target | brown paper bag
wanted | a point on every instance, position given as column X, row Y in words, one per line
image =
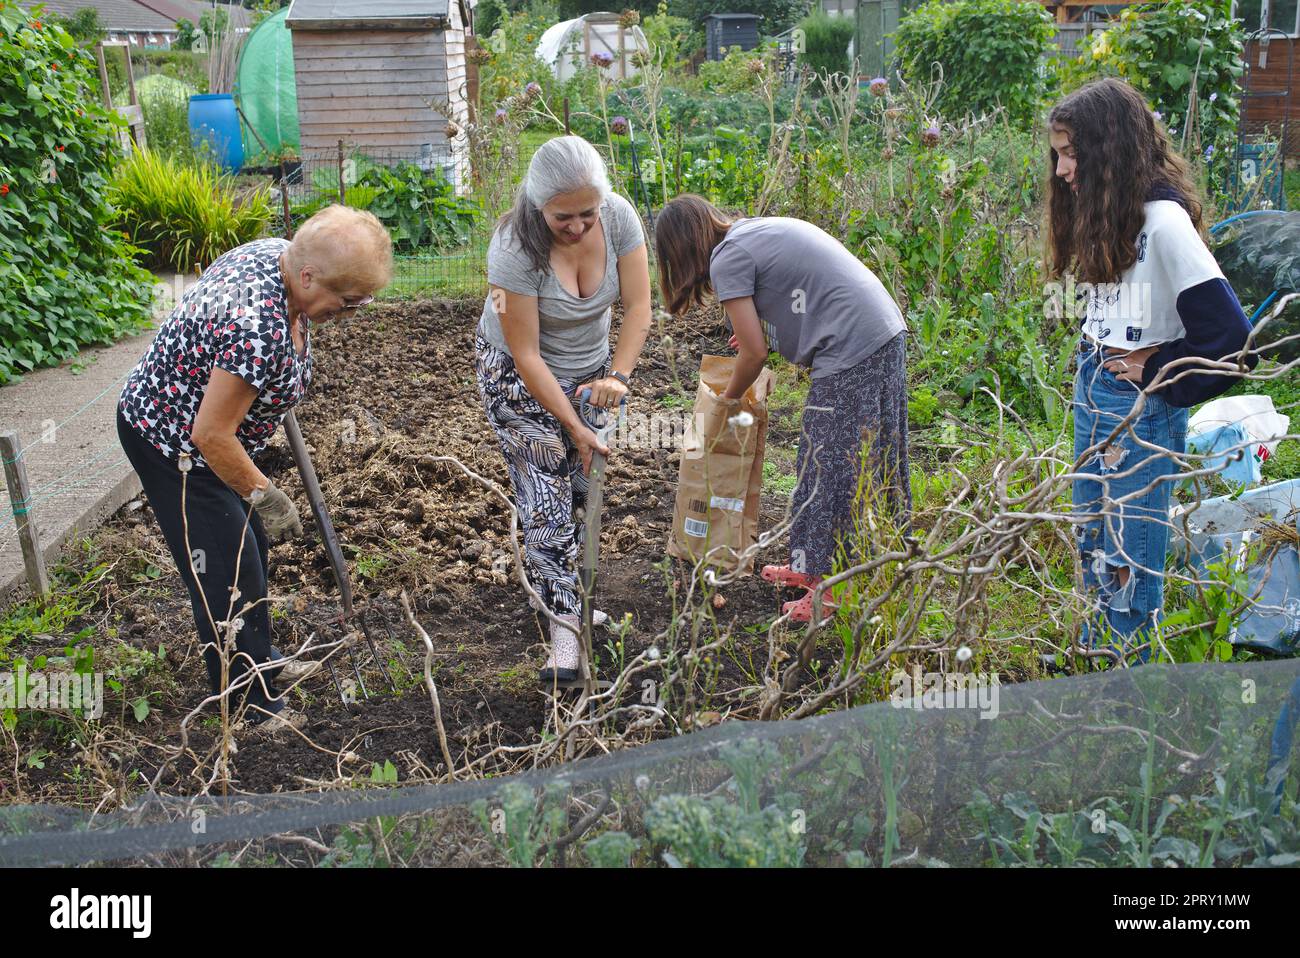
column 721, row 474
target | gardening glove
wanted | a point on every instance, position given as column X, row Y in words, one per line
column 279, row 515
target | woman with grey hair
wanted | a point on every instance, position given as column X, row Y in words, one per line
column 558, row 260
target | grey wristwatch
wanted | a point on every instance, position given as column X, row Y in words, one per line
column 620, row 377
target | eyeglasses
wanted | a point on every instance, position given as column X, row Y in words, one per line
column 357, row 305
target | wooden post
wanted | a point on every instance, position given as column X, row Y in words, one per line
column 20, row 499
column 343, row 189
column 566, row 116
column 284, row 198
column 106, row 93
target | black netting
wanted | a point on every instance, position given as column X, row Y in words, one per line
column 1260, row 254
column 1161, row 765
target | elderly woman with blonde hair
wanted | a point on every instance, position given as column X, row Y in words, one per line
column 226, row 366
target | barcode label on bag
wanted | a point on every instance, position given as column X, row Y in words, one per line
column 696, row 528
column 731, row 505
column 698, row 505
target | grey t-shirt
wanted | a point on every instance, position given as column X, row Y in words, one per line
column 573, row 331
column 819, row 306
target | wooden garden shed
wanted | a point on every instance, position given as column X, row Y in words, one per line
column 367, row 71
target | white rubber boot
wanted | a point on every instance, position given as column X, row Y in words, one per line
column 598, row 618
column 562, row 665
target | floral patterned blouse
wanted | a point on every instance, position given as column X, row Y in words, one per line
column 236, row 318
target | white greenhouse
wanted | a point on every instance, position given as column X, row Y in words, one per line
column 567, row 47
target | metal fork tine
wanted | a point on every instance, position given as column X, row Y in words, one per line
column 374, row 650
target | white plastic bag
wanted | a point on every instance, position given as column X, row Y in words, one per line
column 1263, row 424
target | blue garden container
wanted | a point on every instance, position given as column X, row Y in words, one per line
column 213, row 121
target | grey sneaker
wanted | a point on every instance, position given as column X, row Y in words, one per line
column 296, row 670
column 273, row 726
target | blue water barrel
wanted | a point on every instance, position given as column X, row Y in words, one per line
column 213, row 120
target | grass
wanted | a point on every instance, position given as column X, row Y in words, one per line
column 1291, row 187
column 457, row 274
column 70, row 597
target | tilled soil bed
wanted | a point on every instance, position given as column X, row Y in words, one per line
column 393, row 389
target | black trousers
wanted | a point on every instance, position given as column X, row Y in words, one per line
column 220, row 536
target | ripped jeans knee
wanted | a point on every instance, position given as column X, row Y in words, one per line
column 1117, row 593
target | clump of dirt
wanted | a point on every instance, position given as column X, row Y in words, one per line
column 393, row 391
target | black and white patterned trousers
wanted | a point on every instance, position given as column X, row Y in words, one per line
column 854, row 437
column 545, row 471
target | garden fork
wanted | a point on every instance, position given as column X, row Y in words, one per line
column 298, row 447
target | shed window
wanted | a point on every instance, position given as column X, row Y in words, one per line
column 1283, row 15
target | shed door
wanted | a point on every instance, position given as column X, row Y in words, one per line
column 866, row 45
column 889, row 11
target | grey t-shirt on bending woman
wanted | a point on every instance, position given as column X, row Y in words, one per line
column 573, row 331
column 819, row 306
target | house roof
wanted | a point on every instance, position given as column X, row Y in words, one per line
column 367, row 14
column 141, row 16
column 114, row 14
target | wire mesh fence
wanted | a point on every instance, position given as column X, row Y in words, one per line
column 439, row 205
column 440, row 218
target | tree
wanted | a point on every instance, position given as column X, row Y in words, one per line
column 185, row 35
column 488, row 15
column 214, row 29
column 85, row 26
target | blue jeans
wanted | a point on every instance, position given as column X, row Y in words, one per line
column 1123, row 491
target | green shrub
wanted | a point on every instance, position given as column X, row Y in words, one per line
column 65, row 279
column 1162, row 49
column 826, row 43
column 165, row 102
column 731, row 74
column 669, row 35
column 488, row 16
column 512, row 56
column 85, row 25
column 420, row 209
column 190, row 68
column 185, row 34
column 990, row 51
column 184, row 216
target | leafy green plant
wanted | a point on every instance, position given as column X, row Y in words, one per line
column 610, row 850
column 420, row 208
column 1204, row 613
column 165, row 103
column 184, row 216
column 66, row 278
column 1186, row 56
column 517, row 826
column 734, row 831
column 510, row 59
column 990, row 52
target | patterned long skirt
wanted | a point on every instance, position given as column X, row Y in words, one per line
column 545, row 471
column 852, row 454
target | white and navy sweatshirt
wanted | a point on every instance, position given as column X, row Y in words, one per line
column 1174, row 297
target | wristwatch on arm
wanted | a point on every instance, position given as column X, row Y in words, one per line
column 615, row 374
